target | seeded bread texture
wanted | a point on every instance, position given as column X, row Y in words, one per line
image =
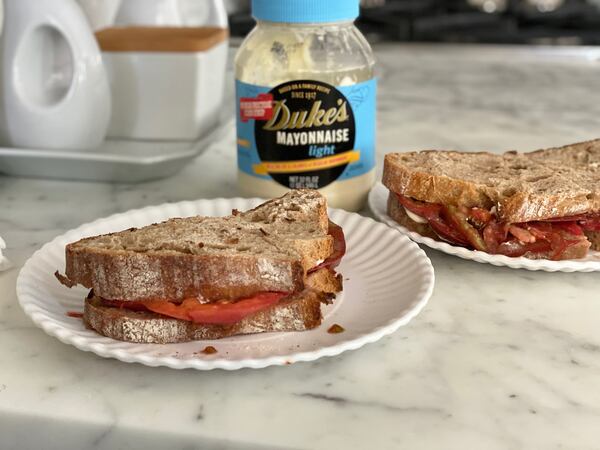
column 524, row 187
column 594, row 238
column 325, row 280
column 269, row 248
column 397, row 212
column 299, row 312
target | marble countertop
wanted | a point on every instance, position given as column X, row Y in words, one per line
column 499, row 359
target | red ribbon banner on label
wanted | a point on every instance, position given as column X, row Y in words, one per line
column 259, row 108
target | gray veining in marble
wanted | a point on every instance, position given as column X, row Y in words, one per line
column 499, row 359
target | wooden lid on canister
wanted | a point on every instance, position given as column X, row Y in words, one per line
column 160, row 39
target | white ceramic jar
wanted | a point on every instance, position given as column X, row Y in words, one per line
column 54, row 89
column 166, row 63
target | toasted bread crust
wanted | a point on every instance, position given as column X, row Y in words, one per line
column 299, row 312
column 524, row 187
column 397, row 212
column 325, row 280
column 131, row 276
column 424, row 186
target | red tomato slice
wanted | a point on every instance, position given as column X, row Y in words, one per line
column 133, row 306
column 576, row 218
column 339, row 248
column 541, row 230
column 494, row 234
column 446, row 232
column 569, row 227
column 216, row 313
column 423, row 209
column 480, row 216
column 590, row 224
column 207, row 313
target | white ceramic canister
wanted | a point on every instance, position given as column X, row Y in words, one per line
column 167, row 73
column 54, row 89
column 100, row 13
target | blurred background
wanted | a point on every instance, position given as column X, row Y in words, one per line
column 549, row 22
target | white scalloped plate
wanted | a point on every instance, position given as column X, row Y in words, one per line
column 378, row 204
column 387, row 281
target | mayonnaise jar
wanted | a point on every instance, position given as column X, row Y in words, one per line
column 306, row 97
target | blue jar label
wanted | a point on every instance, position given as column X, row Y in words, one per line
column 306, row 133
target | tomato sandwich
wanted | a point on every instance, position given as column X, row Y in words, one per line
column 540, row 205
column 267, row 269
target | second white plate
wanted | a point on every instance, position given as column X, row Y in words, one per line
column 387, row 281
column 378, row 204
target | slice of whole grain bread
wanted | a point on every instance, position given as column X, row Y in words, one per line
column 299, row 312
column 524, row 187
column 269, row 248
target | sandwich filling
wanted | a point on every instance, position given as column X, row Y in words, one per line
column 339, row 249
column 482, row 230
column 228, row 311
column 194, row 310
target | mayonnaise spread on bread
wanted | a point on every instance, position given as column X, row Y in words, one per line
column 414, row 217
